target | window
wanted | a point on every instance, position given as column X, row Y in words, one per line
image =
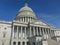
column 15, row 27
column 14, row 43
column 33, row 43
column 28, row 43
column 2, row 43
column 19, row 29
column 23, row 29
column 32, row 30
column 4, row 34
column 18, row 43
column 5, row 28
column 23, row 43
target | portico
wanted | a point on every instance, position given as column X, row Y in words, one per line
column 26, row 25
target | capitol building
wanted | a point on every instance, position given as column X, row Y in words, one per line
column 26, row 29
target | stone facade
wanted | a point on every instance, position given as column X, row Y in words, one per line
column 5, row 33
column 26, row 29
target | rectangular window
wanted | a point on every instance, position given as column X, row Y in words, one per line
column 18, row 43
column 23, row 43
column 33, row 43
column 2, row 43
column 14, row 43
column 4, row 34
column 28, row 43
column 23, row 29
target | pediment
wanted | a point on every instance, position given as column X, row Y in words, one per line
column 40, row 22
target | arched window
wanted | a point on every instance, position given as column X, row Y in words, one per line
column 14, row 43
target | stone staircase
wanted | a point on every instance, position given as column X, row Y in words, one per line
column 52, row 42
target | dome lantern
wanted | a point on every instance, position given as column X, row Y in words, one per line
column 26, row 4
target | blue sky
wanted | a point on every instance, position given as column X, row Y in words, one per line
column 46, row 10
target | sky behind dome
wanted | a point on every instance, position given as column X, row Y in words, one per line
column 45, row 10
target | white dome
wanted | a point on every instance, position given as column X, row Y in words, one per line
column 26, row 12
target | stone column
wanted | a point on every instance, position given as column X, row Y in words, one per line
column 43, row 30
column 11, row 43
column 51, row 33
column 17, row 31
column 37, row 31
column 34, row 30
column 25, row 43
column 16, row 42
column 40, row 31
column 13, row 32
column 48, row 32
column 21, row 42
column 21, row 30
